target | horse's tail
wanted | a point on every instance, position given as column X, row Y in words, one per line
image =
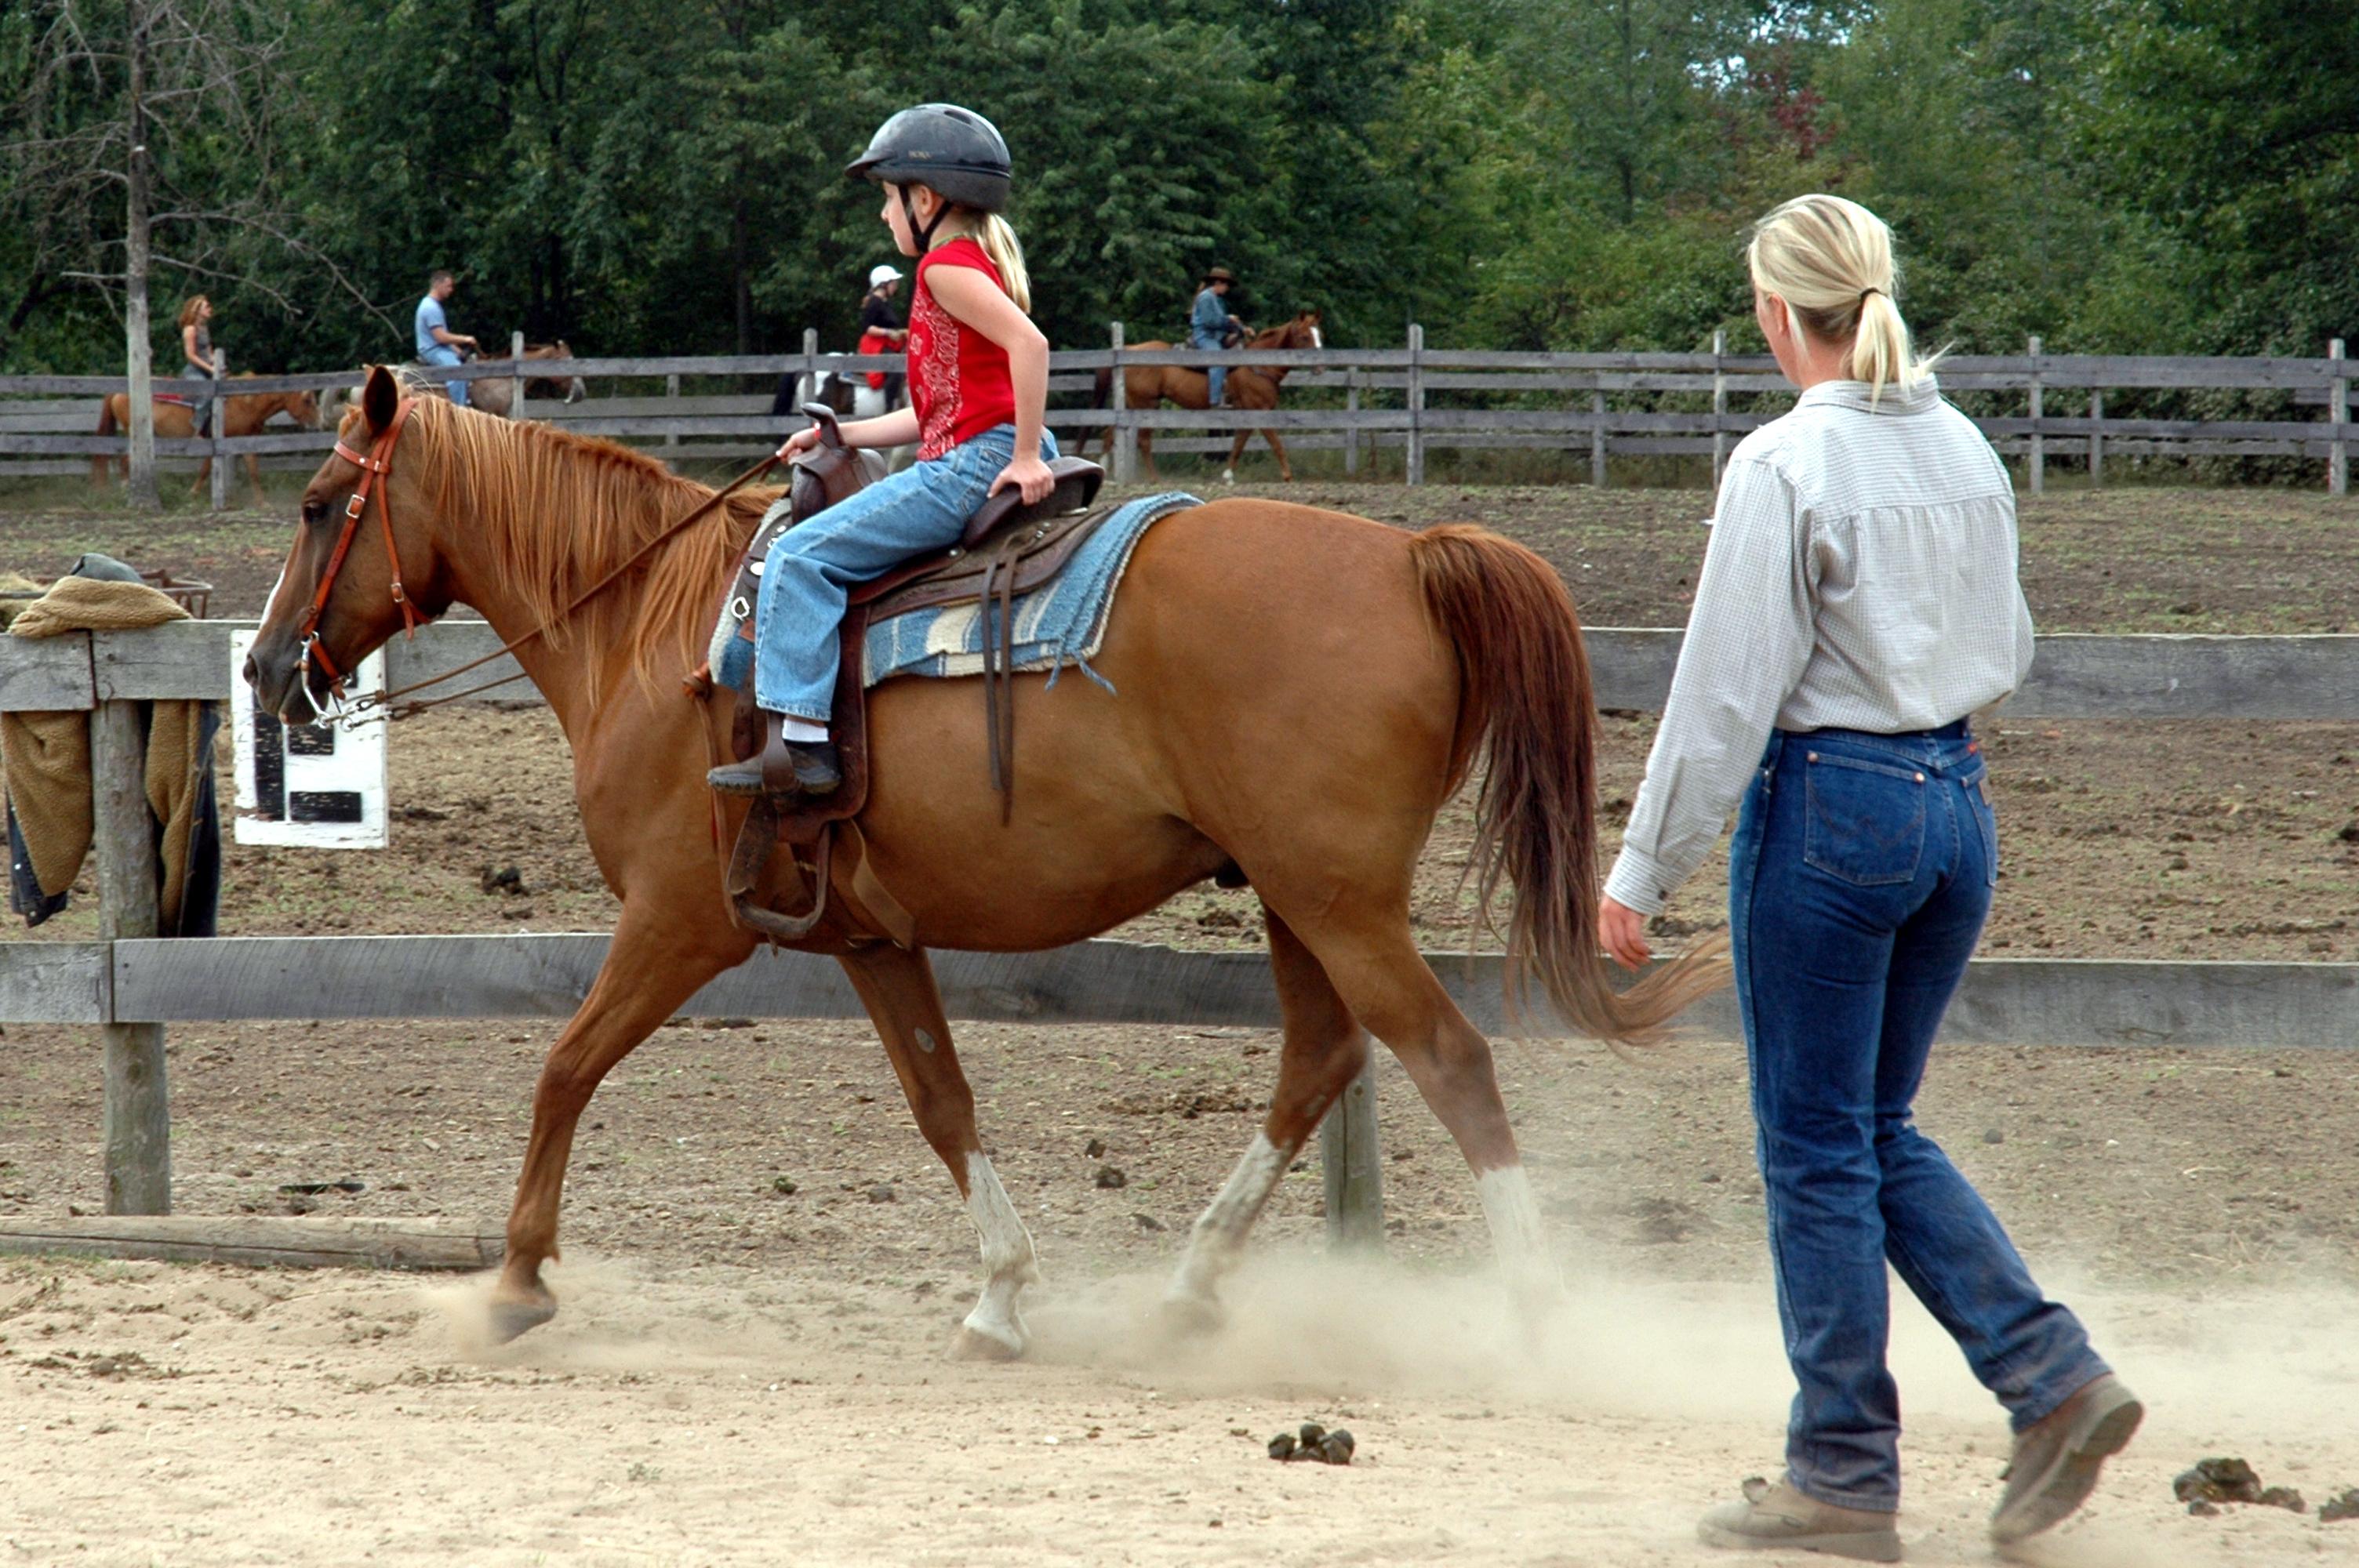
column 1104, row 396
column 1525, row 696
column 105, row 428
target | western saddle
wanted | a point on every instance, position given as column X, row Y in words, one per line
column 1007, row 549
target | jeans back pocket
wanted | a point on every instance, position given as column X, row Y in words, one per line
column 1864, row 822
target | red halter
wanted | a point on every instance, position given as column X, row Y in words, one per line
column 375, row 464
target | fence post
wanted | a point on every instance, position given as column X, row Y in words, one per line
column 671, row 391
column 1125, row 442
column 1351, row 426
column 138, row 1116
column 1719, row 404
column 1352, row 1161
column 516, row 386
column 219, row 406
column 2096, row 439
column 809, row 380
column 1597, row 435
column 2039, row 461
column 2338, row 408
column 1414, row 460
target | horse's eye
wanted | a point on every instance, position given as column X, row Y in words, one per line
column 313, row 509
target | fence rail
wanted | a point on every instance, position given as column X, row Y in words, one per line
column 1567, row 402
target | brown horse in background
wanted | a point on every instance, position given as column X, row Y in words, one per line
column 240, row 414
column 496, row 394
column 1299, row 693
column 1249, row 387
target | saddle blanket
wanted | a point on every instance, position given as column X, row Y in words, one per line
column 1060, row 623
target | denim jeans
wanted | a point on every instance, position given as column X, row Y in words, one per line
column 444, row 354
column 810, row 569
column 1217, row 374
column 1859, row 876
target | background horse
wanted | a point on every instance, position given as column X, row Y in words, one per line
column 1398, row 657
column 1249, row 386
column 240, row 414
column 496, row 394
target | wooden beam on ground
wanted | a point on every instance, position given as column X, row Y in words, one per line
column 264, row 1240
column 2015, row 1002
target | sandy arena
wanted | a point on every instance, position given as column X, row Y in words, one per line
column 765, row 1261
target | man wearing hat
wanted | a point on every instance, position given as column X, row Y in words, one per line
column 1210, row 323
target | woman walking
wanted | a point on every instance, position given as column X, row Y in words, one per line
column 1858, row 600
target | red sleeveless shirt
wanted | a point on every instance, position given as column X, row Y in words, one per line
column 959, row 380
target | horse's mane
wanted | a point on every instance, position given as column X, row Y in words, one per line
column 560, row 511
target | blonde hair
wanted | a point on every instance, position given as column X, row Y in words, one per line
column 1830, row 261
column 990, row 231
column 188, row 309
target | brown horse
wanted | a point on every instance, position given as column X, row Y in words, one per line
column 1400, row 656
column 242, row 415
column 496, row 394
column 1249, row 387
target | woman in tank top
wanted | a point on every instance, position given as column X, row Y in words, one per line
column 978, row 390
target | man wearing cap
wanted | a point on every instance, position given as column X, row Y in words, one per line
column 881, row 333
column 1210, row 323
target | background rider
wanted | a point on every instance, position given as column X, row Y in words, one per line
column 437, row 344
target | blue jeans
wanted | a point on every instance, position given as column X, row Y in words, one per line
column 444, row 354
column 1859, row 876
column 1217, row 374
column 810, row 569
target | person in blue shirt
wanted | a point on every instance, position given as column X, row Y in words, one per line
column 1210, row 323
column 437, row 344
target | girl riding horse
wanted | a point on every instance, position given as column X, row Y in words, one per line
column 978, row 389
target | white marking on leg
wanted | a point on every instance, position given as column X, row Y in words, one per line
column 1220, row 1231
column 1007, row 1256
column 1517, row 1236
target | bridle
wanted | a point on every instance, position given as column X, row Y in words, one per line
column 375, row 466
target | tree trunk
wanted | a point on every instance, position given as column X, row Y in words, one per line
column 139, row 372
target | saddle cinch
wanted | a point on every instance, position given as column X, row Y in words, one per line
column 1008, row 548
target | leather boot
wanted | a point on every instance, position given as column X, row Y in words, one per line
column 781, row 767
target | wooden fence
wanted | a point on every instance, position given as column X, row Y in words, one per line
column 1412, row 400
column 133, row 986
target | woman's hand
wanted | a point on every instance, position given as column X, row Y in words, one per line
column 1030, row 475
column 801, row 441
column 1622, row 932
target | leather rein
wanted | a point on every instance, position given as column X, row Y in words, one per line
column 376, row 465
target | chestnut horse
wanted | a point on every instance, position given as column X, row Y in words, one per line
column 240, row 414
column 496, row 394
column 1249, row 387
column 1300, row 692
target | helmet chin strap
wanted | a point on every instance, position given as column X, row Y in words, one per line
column 923, row 235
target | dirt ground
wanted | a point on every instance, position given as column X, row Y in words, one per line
column 765, row 1261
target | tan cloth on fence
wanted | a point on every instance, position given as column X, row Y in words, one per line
column 47, row 754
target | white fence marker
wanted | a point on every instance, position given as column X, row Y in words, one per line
column 322, row 788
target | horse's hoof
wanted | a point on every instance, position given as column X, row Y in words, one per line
column 971, row 1344
column 1189, row 1318
column 1228, row 476
column 510, row 1319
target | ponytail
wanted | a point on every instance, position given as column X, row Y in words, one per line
column 990, row 231
column 1831, row 260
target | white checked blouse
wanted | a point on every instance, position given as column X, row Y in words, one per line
column 1861, row 576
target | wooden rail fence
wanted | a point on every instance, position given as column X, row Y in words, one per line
column 133, row 986
column 1415, row 400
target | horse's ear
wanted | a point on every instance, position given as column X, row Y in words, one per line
column 380, row 399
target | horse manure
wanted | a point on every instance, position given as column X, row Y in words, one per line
column 1314, row 1444
column 2202, row 1509
column 1282, row 1446
column 2339, row 1507
column 504, row 880
column 2218, row 1480
column 313, row 1189
column 882, row 1192
column 1109, row 1177
column 1148, row 1222
column 783, row 1185
column 1095, row 1147
column 1338, row 1447
column 1312, row 1433
column 2285, row 1498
